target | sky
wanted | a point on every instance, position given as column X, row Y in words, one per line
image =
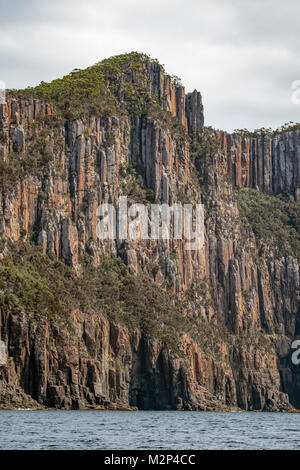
column 242, row 55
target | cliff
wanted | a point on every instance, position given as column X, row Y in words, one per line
column 267, row 161
column 121, row 323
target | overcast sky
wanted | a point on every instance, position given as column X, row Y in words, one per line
column 243, row 55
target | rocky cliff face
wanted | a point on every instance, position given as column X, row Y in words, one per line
column 211, row 328
column 269, row 163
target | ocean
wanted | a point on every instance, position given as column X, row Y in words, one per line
column 154, row 430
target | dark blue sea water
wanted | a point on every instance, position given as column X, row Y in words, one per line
column 148, row 430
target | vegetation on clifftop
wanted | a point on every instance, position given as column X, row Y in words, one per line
column 268, row 131
column 117, row 84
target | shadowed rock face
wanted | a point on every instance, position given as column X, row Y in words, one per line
column 240, row 296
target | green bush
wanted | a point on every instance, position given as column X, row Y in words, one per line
column 269, row 132
column 42, row 286
column 273, row 219
column 117, row 83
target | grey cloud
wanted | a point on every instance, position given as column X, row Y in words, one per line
column 242, row 56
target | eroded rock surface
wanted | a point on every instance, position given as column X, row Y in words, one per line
column 240, row 295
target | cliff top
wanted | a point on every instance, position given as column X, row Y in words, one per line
column 133, row 83
column 263, row 131
column 123, row 82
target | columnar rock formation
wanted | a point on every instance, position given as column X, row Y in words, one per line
column 267, row 162
column 241, row 299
